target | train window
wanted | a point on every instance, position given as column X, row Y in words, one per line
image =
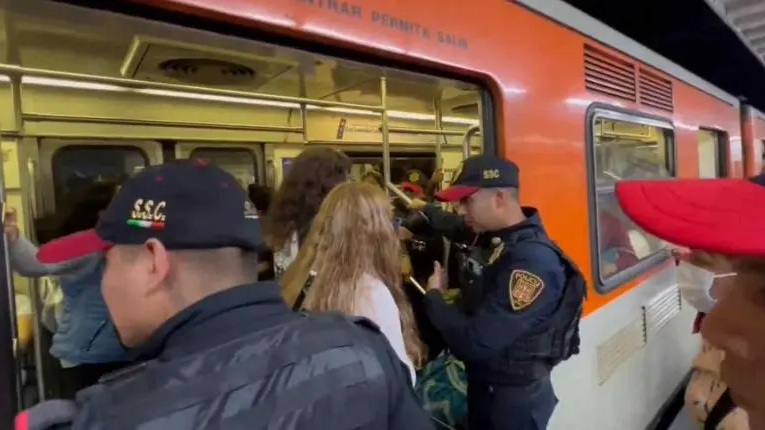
column 712, row 156
column 76, row 168
column 239, row 162
column 415, row 167
column 624, row 148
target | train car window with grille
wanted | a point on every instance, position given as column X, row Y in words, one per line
column 625, row 148
column 239, row 162
column 712, row 154
column 401, row 165
column 76, row 168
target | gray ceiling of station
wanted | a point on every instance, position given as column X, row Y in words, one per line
column 747, row 17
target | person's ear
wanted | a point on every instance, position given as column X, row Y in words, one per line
column 158, row 263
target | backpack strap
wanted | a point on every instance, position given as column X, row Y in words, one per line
column 571, row 269
column 51, row 414
column 720, row 410
column 298, row 305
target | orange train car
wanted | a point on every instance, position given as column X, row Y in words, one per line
column 248, row 84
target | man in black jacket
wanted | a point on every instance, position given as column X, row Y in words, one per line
column 219, row 350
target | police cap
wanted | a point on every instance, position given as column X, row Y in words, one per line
column 481, row 171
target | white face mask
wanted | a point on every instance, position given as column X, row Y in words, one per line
column 695, row 284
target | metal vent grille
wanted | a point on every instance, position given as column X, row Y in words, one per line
column 655, row 91
column 660, row 310
column 207, row 71
column 607, row 74
column 619, row 348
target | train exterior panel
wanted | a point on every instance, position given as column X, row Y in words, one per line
column 534, row 64
column 570, row 97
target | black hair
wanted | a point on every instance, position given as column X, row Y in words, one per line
column 261, row 196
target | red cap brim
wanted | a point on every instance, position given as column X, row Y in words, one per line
column 723, row 216
column 414, row 188
column 73, row 246
column 456, row 192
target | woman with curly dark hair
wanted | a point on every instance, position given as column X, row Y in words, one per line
column 311, row 177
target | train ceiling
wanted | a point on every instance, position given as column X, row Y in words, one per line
column 747, row 18
column 53, row 36
column 692, row 34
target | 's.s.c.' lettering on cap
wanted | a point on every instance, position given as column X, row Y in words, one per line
column 148, row 214
column 491, row 173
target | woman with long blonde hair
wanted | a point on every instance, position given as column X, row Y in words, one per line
column 352, row 257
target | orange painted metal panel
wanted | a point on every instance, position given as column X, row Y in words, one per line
column 532, row 66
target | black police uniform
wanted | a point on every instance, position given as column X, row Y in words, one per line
column 239, row 358
column 527, row 318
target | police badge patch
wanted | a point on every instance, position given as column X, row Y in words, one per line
column 524, row 289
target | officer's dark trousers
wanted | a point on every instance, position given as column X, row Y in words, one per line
column 510, row 408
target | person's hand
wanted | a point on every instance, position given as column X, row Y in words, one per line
column 417, row 204
column 11, row 225
column 436, row 280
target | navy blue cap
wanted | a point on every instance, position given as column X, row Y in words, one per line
column 481, row 171
column 184, row 204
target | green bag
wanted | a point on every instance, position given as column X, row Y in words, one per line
column 442, row 389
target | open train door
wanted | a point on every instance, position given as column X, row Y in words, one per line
column 9, row 378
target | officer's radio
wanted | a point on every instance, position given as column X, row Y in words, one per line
column 471, row 262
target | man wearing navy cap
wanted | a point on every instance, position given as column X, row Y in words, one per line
column 222, row 350
column 526, row 321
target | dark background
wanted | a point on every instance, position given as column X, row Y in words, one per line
column 691, row 34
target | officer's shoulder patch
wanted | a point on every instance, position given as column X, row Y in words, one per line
column 496, row 253
column 524, row 289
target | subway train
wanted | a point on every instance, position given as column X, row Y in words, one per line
column 89, row 95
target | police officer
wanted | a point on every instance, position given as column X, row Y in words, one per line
column 531, row 300
column 221, row 349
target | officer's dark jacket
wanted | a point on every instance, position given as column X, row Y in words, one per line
column 240, row 359
column 501, row 345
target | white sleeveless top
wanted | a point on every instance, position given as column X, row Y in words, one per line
column 378, row 305
column 285, row 256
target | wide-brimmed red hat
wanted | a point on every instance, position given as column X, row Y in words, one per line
column 723, row 216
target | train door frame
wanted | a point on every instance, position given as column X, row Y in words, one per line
column 10, row 389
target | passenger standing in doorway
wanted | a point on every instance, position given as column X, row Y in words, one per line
column 351, row 264
column 223, row 350
column 527, row 319
column 312, row 175
column 84, row 339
